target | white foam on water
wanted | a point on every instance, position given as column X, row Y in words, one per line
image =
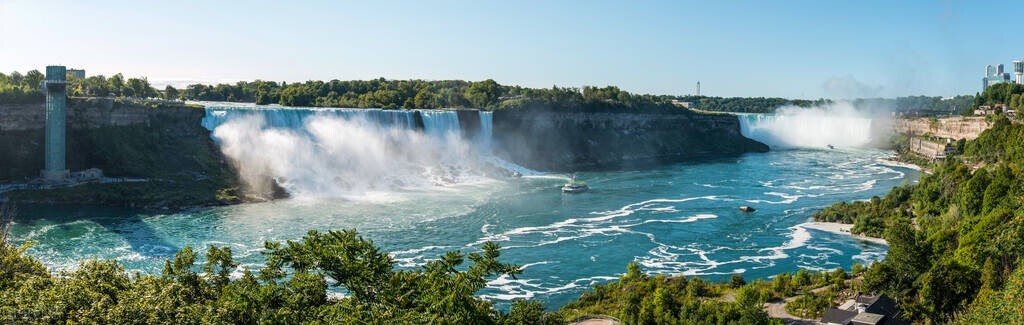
column 577, row 228
column 798, row 238
column 511, row 289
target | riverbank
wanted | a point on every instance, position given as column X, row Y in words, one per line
column 841, row 228
column 896, row 162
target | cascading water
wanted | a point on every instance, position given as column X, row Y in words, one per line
column 838, row 125
column 486, row 132
column 332, row 152
column 440, row 123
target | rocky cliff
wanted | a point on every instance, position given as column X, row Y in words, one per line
column 570, row 141
column 161, row 142
column 949, row 127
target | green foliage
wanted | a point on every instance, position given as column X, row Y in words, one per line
column 641, row 299
column 956, row 235
column 409, row 94
column 21, row 89
column 25, row 89
column 1001, row 93
column 992, row 306
column 746, row 104
column 917, row 105
column 291, row 288
column 736, row 281
column 810, row 305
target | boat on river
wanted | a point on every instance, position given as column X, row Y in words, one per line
column 574, row 186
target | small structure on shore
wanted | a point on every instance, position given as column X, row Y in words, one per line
column 748, row 209
column 868, row 310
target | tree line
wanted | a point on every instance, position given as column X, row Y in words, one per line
column 26, row 88
column 486, row 94
column 422, row 94
column 1010, row 94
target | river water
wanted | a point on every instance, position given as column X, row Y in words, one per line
column 675, row 219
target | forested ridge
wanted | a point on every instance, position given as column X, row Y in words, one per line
column 439, row 94
column 957, row 237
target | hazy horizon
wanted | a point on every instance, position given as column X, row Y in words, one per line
column 798, row 49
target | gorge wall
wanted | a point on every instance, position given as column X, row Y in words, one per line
column 950, row 127
column 161, row 142
column 570, row 141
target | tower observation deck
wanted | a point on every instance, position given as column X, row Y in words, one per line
column 56, row 123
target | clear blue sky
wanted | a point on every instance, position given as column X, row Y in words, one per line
column 795, row 49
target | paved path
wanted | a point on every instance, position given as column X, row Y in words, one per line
column 597, row 320
column 777, row 308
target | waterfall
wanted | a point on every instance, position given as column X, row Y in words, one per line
column 294, row 118
column 440, row 123
column 344, row 152
column 838, row 125
column 486, row 133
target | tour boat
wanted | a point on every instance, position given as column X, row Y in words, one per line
column 574, row 186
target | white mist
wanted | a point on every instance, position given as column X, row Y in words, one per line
column 839, row 124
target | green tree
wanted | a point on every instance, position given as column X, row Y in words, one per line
column 115, row 84
column 482, row 94
column 33, row 79
column 171, row 93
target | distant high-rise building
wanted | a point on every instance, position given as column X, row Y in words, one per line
column 1018, row 70
column 76, row 73
column 996, row 75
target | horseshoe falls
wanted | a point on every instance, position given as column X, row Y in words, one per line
column 421, row 183
column 838, row 125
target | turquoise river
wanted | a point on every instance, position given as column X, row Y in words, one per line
column 675, row 219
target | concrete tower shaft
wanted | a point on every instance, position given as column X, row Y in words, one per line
column 56, row 122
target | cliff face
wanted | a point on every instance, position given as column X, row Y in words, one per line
column 569, row 141
column 950, row 127
column 165, row 144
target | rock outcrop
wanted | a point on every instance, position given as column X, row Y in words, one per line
column 570, row 141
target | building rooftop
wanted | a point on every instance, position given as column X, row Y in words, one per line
column 837, row 316
column 867, row 319
column 864, row 310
